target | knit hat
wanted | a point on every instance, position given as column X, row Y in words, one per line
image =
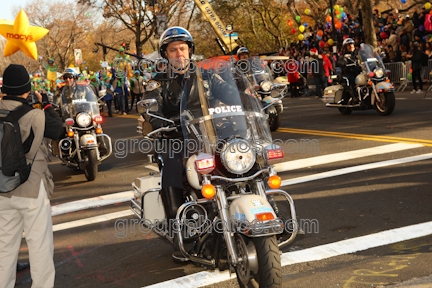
column 314, row 51
column 16, row 80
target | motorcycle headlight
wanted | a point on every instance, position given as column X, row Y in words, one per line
column 265, row 86
column 237, row 156
column 83, row 119
column 379, row 73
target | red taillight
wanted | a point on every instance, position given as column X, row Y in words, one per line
column 69, row 122
column 380, row 90
column 70, row 134
column 264, row 216
column 205, row 164
column 98, row 119
column 275, row 154
column 371, row 74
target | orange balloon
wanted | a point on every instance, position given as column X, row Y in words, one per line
column 338, row 25
column 337, row 12
column 320, row 33
column 430, row 12
column 290, row 23
column 329, row 19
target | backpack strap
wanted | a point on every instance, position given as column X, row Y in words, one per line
column 19, row 112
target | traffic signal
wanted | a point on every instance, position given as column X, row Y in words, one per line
column 127, row 46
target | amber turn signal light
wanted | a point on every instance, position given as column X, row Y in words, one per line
column 208, row 191
column 274, row 182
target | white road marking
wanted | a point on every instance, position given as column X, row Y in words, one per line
column 353, row 169
column 92, row 220
column 91, row 203
column 326, row 159
column 286, row 166
column 311, row 254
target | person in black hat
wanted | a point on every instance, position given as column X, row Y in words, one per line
column 27, row 207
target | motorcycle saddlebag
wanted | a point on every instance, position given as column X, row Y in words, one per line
column 333, row 94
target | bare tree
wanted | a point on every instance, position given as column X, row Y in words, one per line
column 136, row 15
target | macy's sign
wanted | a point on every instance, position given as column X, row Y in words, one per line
column 19, row 36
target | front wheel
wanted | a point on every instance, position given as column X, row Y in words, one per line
column 387, row 104
column 274, row 122
column 267, row 272
column 91, row 165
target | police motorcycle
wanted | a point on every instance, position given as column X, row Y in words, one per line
column 262, row 79
column 85, row 145
column 229, row 219
column 373, row 88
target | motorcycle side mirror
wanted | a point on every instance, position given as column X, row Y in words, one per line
column 148, row 105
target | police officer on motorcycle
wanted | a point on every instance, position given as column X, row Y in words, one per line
column 167, row 88
column 349, row 57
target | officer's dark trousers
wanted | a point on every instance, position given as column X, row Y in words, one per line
column 173, row 174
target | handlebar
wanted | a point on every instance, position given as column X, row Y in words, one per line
column 162, row 129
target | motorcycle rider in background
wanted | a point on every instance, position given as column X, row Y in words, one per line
column 350, row 72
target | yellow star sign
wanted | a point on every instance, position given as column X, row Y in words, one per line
column 20, row 35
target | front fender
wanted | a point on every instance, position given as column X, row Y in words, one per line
column 385, row 86
column 88, row 141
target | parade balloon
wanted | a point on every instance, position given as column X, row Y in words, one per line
column 305, row 24
column 424, row 38
column 383, row 35
column 329, row 19
column 330, row 42
column 319, row 37
column 338, row 25
column 293, row 31
column 298, row 18
column 340, row 9
column 428, row 6
column 301, row 28
column 307, row 12
column 430, row 12
column 290, row 23
column 306, row 43
column 338, row 16
column 25, row 42
column 343, row 14
column 337, row 12
column 301, row 37
column 336, row 7
column 322, row 44
column 320, row 33
column 85, row 68
column 344, row 19
column 328, row 25
column 88, row 14
column 403, row 1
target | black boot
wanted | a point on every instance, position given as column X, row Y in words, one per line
column 22, row 266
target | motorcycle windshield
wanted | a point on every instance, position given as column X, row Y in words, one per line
column 219, row 105
column 77, row 99
column 260, row 71
column 370, row 58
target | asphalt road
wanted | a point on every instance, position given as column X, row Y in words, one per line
column 360, row 193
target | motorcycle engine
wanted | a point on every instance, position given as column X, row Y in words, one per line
column 362, row 92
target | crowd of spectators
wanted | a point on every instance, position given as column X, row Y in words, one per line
column 400, row 38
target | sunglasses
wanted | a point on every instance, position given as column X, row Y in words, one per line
column 68, row 77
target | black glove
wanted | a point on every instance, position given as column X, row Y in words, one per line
column 44, row 99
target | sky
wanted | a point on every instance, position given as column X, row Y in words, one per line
column 7, row 6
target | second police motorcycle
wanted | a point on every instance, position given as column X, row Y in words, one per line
column 372, row 87
column 85, row 145
column 228, row 181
